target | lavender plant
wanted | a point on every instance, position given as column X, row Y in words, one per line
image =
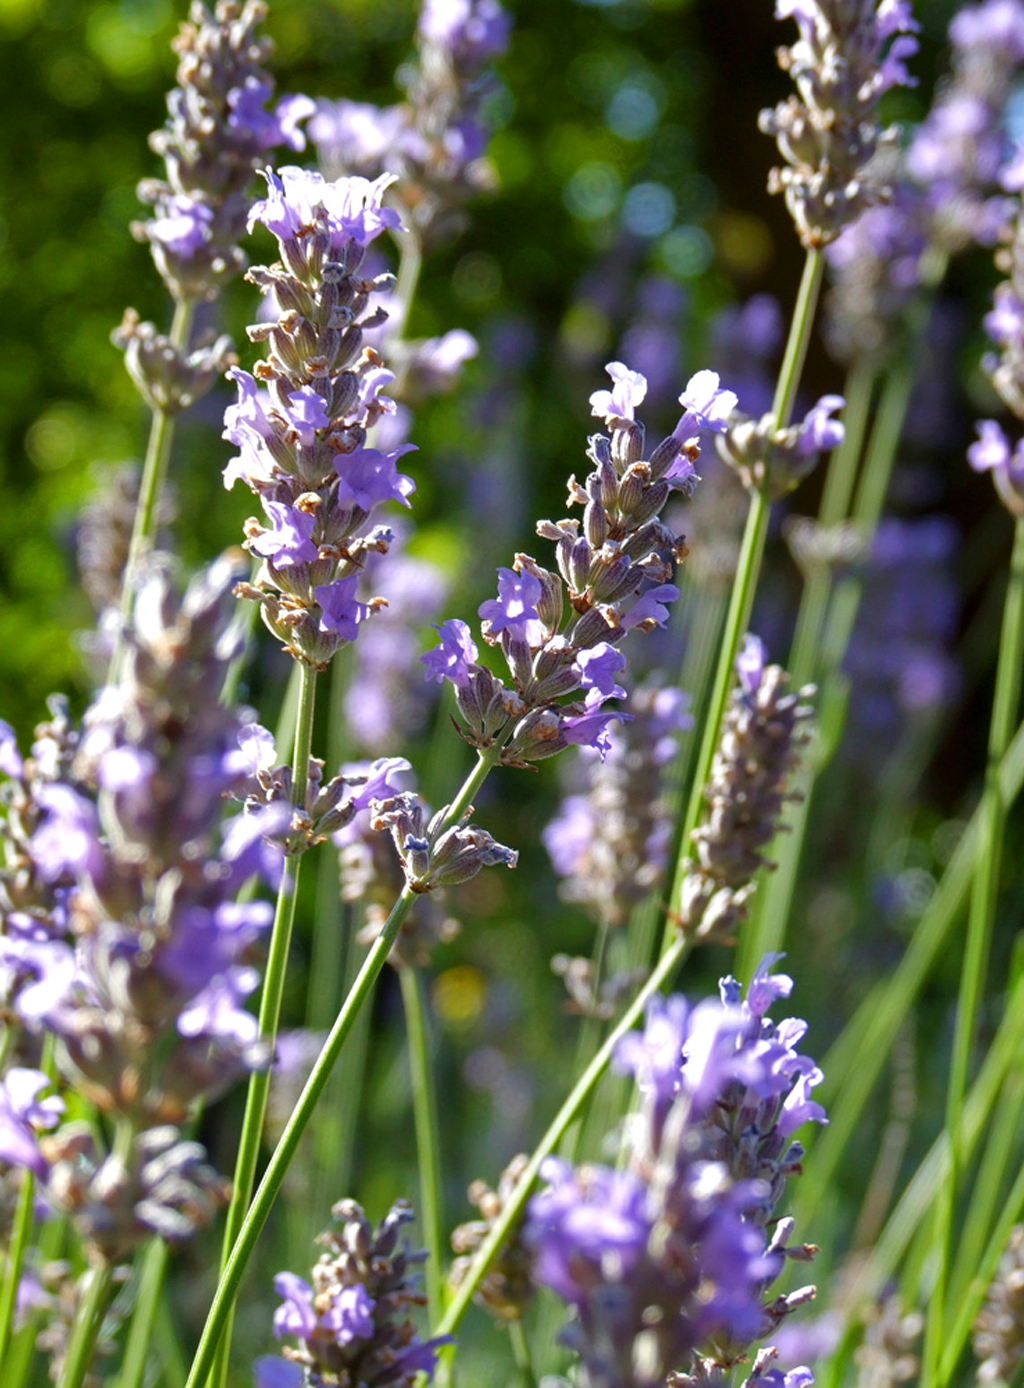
column 134, row 923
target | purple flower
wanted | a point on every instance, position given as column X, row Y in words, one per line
column 997, row 24
column 369, row 477
column 257, row 746
column 183, row 226
column 11, row 762
column 591, row 728
column 649, row 610
column 296, row 1316
column 246, row 114
column 288, row 542
column 438, row 361
column 67, row 841
column 596, row 668
column 586, row 1223
column 216, row 1012
column 654, row 1056
column 515, row 608
column 355, row 134
column 383, row 779
column 1005, row 323
column 269, row 1371
column 454, row 653
column 766, row 988
column 473, row 31
column 246, row 425
column 349, row 208
column 340, row 610
column 706, row 406
column 992, row 452
column 617, row 406
column 819, row 433
column 349, row 1316
column 306, row 413
column 750, row 664
column 23, row 1114
column 568, row 837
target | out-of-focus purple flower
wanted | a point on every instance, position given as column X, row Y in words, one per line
column 473, row 31
column 438, row 361
column 23, row 1114
column 349, row 1317
column 619, row 404
column 569, row 835
column 67, row 841
column 992, row 452
column 819, row 432
column 183, row 226
column 654, row 1056
column 1005, row 323
column 270, row 1371
column 586, row 1224
column 750, row 664
column 216, row 1013
column 11, row 761
column 245, row 107
column 355, row 134
column 453, row 654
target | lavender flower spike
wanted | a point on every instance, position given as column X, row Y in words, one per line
column 758, row 751
column 304, row 440
column 849, row 52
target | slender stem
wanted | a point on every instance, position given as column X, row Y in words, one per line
column 736, row 620
column 22, row 1225
column 152, row 1266
column 521, row 1353
column 428, row 1134
column 981, row 918
column 513, row 1207
column 855, row 1061
column 270, row 1001
column 842, row 471
column 86, row 1327
column 252, row 1225
column 799, row 338
column 20, row 1232
column 749, row 566
column 154, row 468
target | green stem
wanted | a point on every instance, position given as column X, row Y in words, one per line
column 86, row 1327
column 799, row 338
column 737, row 617
column 566, row 1115
column 20, row 1232
column 270, row 1001
column 521, row 1353
column 855, row 1061
column 981, row 918
column 842, row 471
column 154, row 468
column 428, row 1135
column 828, row 612
column 152, row 1266
column 258, row 1212
column 749, row 566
